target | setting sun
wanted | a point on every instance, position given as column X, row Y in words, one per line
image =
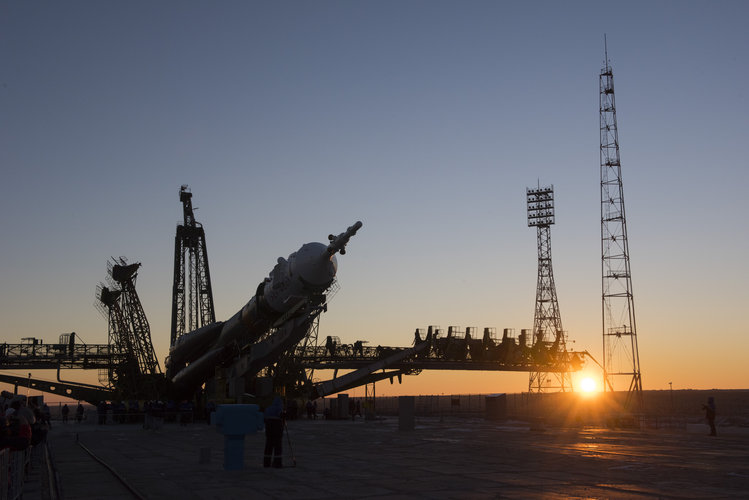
column 588, row 384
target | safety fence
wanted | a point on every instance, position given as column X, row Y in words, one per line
column 14, row 466
column 464, row 405
column 92, row 416
column 662, row 410
column 454, row 405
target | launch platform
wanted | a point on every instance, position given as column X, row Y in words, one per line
column 446, row 457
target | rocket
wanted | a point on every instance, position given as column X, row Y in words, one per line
column 291, row 284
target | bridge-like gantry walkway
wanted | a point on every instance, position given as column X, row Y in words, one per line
column 33, row 354
column 455, row 351
column 431, row 350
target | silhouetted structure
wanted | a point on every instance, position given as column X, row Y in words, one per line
column 192, row 295
column 270, row 345
column 133, row 360
column 547, row 322
column 620, row 353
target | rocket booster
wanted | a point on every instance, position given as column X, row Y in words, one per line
column 307, row 272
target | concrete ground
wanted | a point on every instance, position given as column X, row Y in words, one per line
column 440, row 458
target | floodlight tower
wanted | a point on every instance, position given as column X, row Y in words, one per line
column 192, row 295
column 547, row 323
column 620, row 353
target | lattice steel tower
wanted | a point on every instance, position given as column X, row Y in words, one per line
column 192, row 296
column 133, row 358
column 620, row 354
column 547, row 323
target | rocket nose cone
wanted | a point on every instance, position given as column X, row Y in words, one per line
column 314, row 265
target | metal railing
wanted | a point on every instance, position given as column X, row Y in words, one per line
column 13, row 468
column 50, row 356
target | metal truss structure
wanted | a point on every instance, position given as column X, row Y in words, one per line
column 548, row 335
column 192, row 295
column 289, row 351
column 620, row 352
column 34, row 354
column 454, row 351
column 133, row 356
column 432, row 350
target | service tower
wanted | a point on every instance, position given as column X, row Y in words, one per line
column 192, row 295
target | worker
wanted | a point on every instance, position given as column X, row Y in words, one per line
column 274, row 423
column 79, row 413
column 710, row 414
column 47, row 415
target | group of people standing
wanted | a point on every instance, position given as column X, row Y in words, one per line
column 23, row 425
column 79, row 413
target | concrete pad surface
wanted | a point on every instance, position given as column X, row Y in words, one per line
column 441, row 458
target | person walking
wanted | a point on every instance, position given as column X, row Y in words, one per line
column 64, row 412
column 710, row 414
column 274, row 421
column 101, row 410
column 47, row 415
column 79, row 413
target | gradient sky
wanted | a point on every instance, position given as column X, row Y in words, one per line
column 426, row 120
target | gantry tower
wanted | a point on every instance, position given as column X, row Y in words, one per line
column 192, row 296
column 133, row 364
column 621, row 358
column 548, row 335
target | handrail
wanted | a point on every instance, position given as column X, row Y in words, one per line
column 13, row 472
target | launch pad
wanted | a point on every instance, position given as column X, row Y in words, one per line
column 269, row 346
column 442, row 458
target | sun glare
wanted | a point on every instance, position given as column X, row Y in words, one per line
column 588, row 384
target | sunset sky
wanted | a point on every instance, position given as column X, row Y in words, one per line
column 426, row 120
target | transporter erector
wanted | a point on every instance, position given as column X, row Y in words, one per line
column 284, row 295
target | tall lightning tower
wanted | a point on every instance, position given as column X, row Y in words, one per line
column 621, row 358
column 547, row 323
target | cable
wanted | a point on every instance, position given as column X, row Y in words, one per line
column 110, row 469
